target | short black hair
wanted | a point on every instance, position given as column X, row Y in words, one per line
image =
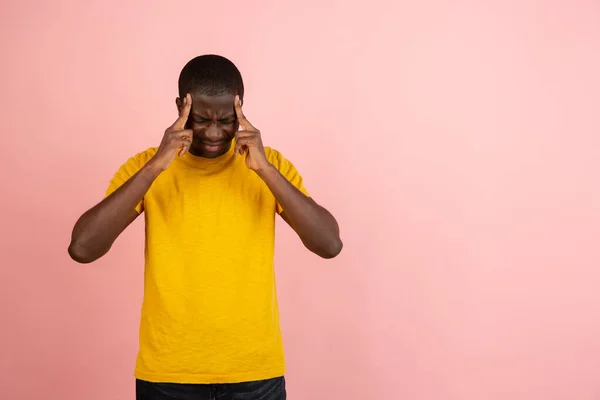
column 212, row 75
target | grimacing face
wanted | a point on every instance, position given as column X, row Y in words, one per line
column 214, row 123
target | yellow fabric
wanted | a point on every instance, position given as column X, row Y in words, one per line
column 210, row 312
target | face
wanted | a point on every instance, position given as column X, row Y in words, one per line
column 213, row 120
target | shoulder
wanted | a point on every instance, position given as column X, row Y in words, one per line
column 279, row 161
column 286, row 168
column 272, row 153
column 144, row 156
column 276, row 158
column 129, row 168
column 134, row 163
column 140, row 159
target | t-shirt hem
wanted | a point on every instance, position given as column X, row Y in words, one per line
column 209, row 378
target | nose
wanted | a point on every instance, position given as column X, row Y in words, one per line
column 213, row 133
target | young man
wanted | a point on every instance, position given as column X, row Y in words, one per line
column 210, row 192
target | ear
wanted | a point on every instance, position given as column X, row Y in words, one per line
column 179, row 104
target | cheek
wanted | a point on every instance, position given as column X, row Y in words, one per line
column 196, row 127
column 230, row 129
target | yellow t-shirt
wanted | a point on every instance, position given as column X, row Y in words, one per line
column 210, row 312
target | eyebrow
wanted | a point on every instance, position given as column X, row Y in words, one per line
column 195, row 115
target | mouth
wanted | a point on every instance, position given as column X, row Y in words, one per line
column 212, row 147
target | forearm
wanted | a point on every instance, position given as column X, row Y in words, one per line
column 316, row 227
column 98, row 228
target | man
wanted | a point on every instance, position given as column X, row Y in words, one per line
column 210, row 192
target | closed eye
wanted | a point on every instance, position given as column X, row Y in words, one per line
column 224, row 121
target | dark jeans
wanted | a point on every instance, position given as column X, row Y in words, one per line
column 269, row 389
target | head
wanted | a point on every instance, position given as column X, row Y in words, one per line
column 213, row 82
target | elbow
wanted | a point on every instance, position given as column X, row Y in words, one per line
column 332, row 250
column 80, row 254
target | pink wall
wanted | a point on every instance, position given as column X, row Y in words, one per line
column 456, row 142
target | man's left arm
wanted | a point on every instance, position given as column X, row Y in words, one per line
column 316, row 227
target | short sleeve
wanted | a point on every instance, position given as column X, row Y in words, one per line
column 125, row 172
column 289, row 171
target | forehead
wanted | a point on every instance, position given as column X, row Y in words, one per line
column 204, row 104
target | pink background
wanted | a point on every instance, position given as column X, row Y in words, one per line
column 456, row 142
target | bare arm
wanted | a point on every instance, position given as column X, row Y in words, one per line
column 316, row 227
column 98, row 228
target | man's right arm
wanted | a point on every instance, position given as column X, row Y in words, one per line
column 98, row 228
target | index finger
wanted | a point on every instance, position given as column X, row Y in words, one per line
column 184, row 113
column 246, row 125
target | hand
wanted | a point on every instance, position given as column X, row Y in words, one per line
column 248, row 141
column 176, row 140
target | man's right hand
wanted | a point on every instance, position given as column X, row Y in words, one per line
column 98, row 228
column 177, row 139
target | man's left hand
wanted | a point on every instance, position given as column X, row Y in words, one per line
column 249, row 142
